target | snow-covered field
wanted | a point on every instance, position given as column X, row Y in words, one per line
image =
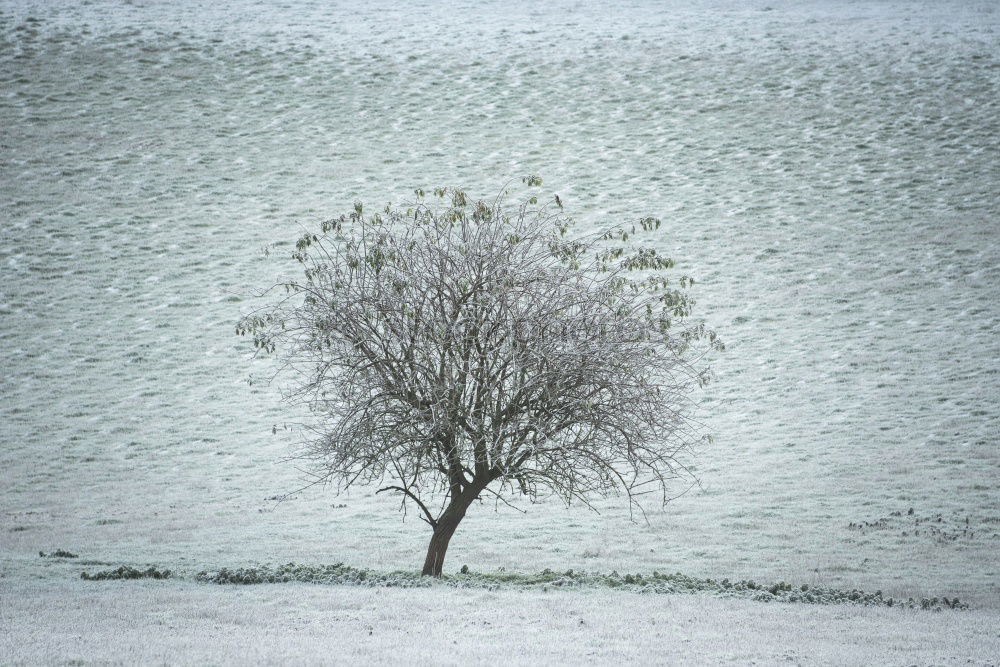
column 148, row 623
column 828, row 171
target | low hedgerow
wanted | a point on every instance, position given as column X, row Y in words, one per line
column 127, row 572
column 661, row 583
column 655, row 583
column 313, row 574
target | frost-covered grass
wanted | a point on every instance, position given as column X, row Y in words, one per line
column 637, row 583
column 127, row 572
column 656, row 582
column 178, row 622
column 824, row 169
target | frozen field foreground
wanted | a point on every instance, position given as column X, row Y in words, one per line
column 153, row 623
column 827, row 170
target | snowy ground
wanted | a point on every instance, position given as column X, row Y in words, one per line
column 298, row 624
column 827, row 170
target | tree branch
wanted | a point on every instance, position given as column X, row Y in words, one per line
column 428, row 517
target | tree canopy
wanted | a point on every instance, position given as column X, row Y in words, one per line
column 451, row 348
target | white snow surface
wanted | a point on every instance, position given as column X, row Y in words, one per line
column 147, row 623
column 828, row 171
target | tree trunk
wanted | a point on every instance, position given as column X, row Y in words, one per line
column 439, row 541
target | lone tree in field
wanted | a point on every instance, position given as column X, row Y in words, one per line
column 459, row 348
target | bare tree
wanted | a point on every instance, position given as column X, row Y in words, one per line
column 456, row 349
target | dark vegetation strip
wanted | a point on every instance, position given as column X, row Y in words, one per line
column 657, row 582
column 128, row 572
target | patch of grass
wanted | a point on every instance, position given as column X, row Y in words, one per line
column 958, row 527
column 661, row 583
column 127, row 572
column 313, row 574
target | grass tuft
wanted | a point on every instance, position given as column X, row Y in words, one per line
column 127, row 572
